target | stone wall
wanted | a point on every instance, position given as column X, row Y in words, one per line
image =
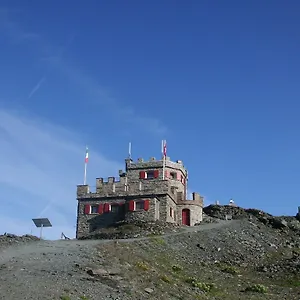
column 89, row 222
column 170, row 203
column 140, row 187
column 133, row 168
column 141, row 214
column 196, row 211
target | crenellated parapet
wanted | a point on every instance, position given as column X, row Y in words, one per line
column 118, row 189
column 82, row 190
column 154, row 163
column 197, row 200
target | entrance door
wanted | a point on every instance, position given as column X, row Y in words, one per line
column 186, row 217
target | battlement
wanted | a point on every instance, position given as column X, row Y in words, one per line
column 154, row 163
column 197, row 200
column 112, row 188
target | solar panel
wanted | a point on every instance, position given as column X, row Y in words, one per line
column 42, row 222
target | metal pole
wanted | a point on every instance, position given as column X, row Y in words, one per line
column 164, row 157
column 41, row 233
column 129, row 150
column 84, row 179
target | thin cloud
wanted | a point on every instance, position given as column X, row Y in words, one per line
column 36, row 88
column 97, row 94
column 41, row 164
column 13, row 31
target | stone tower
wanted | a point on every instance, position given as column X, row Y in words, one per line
column 146, row 190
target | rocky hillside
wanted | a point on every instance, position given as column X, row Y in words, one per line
column 9, row 239
column 253, row 256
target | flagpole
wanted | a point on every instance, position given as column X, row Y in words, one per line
column 129, row 150
column 84, row 179
column 85, row 164
column 163, row 143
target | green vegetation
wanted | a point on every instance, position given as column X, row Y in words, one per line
column 205, row 287
column 291, row 282
column 230, row 270
column 157, row 240
column 257, row 288
column 165, row 278
column 143, row 266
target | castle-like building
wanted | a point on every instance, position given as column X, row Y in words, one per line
column 146, row 190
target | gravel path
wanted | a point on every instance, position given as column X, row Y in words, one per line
column 50, row 269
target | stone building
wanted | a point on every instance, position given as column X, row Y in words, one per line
column 140, row 193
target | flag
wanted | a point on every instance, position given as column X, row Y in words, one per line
column 86, row 155
column 165, row 148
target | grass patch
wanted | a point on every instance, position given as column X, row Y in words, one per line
column 257, row 288
column 143, row 266
column 166, row 279
column 205, row 287
column 157, row 240
column 230, row 270
column 291, row 282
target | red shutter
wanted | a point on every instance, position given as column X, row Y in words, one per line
column 87, row 209
column 142, row 174
column 167, row 174
column 178, row 176
column 100, row 209
column 146, row 204
column 182, row 179
column 106, row 207
column 131, row 205
column 156, row 173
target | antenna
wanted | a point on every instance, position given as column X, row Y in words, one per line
column 41, row 223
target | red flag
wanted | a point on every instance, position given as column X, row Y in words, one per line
column 165, row 148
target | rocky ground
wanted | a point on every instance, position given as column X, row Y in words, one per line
column 9, row 239
column 253, row 256
column 125, row 230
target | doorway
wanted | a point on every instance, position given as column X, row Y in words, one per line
column 186, row 218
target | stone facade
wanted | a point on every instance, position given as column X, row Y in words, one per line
column 146, row 190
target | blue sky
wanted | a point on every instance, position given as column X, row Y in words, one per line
column 219, row 80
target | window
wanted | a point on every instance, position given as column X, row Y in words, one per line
column 171, row 212
column 150, row 175
column 94, row 209
column 173, row 175
column 139, row 205
column 115, row 208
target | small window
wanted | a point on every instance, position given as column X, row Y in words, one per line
column 94, row 209
column 115, row 208
column 150, row 174
column 139, row 205
column 173, row 175
column 171, row 212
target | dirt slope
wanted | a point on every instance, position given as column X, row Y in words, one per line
column 52, row 269
column 220, row 260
